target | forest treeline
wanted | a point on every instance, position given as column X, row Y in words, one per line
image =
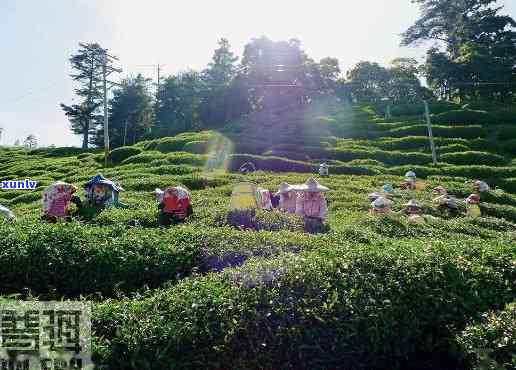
column 471, row 59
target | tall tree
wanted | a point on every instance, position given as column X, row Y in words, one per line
column 30, row 142
column 178, row 106
column 216, row 107
column 480, row 48
column 131, row 112
column 87, row 72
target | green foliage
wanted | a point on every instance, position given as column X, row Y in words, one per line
column 507, row 133
column 491, row 343
column 259, row 220
column 70, row 260
column 461, row 117
column 302, row 312
column 196, row 147
column 465, row 132
column 480, row 158
column 120, row 154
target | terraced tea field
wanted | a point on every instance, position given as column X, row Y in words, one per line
column 371, row 293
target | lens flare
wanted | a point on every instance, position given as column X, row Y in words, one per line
column 218, row 152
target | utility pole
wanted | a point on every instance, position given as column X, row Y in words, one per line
column 106, row 70
column 157, row 91
column 125, row 130
column 430, row 134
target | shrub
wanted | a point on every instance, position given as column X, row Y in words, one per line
column 465, row 132
column 507, row 133
column 119, row 154
column 461, row 117
column 376, row 306
column 453, row 148
column 259, row 220
column 510, row 146
column 413, row 109
column 196, row 147
column 477, row 158
column 72, row 260
column 387, row 157
column 274, row 164
column 491, row 343
column 145, row 157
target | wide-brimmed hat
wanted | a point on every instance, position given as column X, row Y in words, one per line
column 381, row 202
column 312, row 185
column 410, row 174
column 67, row 186
column 101, row 180
column 412, row 203
column 473, row 199
column 373, row 196
column 440, row 189
column 481, row 185
column 284, row 188
column 387, row 188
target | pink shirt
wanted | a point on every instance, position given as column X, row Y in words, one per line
column 288, row 202
column 59, row 207
column 315, row 207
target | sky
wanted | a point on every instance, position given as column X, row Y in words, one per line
column 37, row 37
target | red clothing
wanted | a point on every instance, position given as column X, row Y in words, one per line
column 173, row 205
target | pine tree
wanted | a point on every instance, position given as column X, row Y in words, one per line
column 87, row 72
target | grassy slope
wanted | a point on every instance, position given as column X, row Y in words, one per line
column 123, row 259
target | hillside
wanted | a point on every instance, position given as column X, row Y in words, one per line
column 370, row 293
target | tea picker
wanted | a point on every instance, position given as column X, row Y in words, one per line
column 323, row 169
column 247, row 167
column 410, row 181
column 414, row 211
column 174, row 205
column 56, row 201
column 288, row 196
column 472, row 206
column 311, row 204
column 445, row 203
column 380, row 206
column 103, row 193
column 6, row 214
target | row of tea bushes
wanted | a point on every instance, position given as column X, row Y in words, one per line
column 398, row 306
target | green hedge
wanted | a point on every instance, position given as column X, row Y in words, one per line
column 70, row 260
column 473, row 158
column 491, row 343
column 117, row 155
column 453, row 148
column 414, row 109
column 462, row 117
column 260, row 220
column 398, row 306
column 507, row 133
column 510, row 146
column 387, row 157
column 196, row 147
column 275, row 164
column 465, row 132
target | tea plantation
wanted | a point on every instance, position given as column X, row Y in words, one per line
column 370, row 293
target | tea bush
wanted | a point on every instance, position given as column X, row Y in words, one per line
column 260, row 220
column 71, row 260
column 465, row 132
column 479, row 158
column 368, row 308
column 119, row 154
column 491, row 343
column 461, row 117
